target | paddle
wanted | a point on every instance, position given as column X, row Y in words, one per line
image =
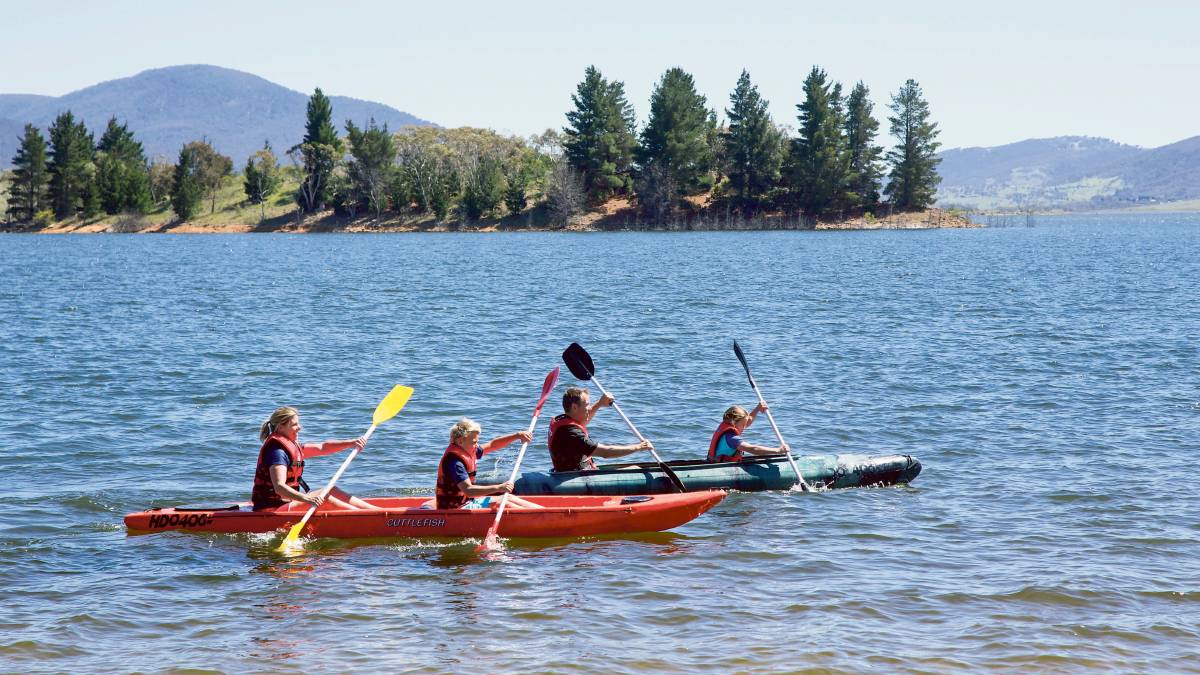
column 386, row 410
column 742, row 357
column 491, row 541
column 579, row 362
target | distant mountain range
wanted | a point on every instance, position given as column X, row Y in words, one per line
column 168, row 107
column 1069, row 172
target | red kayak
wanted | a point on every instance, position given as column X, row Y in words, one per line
column 563, row 516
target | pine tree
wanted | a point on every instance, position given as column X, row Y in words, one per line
column 914, row 179
column 89, row 199
column 864, row 179
column 600, row 141
column 321, row 149
column 122, row 177
column 518, row 172
column 261, row 177
column 373, row 155
column 819, row 164
column 677, row 138
column 186, row 192
column 71, row 152
column 752, row 147
column 30, row 176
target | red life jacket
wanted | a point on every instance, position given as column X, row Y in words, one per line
column 716, row 439
column 263, row 494
column 561, row 422
column 447, row 493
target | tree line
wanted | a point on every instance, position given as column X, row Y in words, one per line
column 830, row 165
column 70, row 174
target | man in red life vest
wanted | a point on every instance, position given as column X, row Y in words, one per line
column 727, row 444
column 571, row 449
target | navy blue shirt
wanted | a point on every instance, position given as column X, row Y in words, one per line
column 277, row 456
column 458, row 470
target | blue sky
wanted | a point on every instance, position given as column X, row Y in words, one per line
column 993, row 74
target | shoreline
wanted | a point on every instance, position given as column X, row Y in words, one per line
column 617, row 219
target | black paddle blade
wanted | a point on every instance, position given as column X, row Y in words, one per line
column 737, row 350
column 578, row 362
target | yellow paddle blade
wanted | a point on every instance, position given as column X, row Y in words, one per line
column 292, row 537
column 391, row 404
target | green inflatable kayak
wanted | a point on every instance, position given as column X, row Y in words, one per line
column 772, row 472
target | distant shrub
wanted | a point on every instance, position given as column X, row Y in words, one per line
column 43, row 218
column 128, row 222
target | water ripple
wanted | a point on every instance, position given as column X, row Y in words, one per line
column 1046, row 378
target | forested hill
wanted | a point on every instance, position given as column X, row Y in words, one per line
column 1069, row 172
column 168, row 107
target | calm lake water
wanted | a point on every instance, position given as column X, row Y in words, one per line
column 1045, row 374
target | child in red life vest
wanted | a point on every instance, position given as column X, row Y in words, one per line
column 456, row 486
column 727, row 444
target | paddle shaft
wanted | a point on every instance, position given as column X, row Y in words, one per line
column 778, row 435
column 338, row 474
column 513, row 476
column 627, row 422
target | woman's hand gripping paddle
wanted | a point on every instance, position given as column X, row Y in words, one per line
column 579, row 362
column 491, row 541
column 386, row 410
column 737, row 350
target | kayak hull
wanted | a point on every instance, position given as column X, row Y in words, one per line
column 563, row 516
column 772, row 472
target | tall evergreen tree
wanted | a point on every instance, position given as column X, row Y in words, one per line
column 819, row 162
column 261, row 177
column 914, row 178
column 321, row 149
column 752, row 147
column 71, row 152
column 30, row 176
column 864, row 179
column 122, row 177
column 600, row 140
column 519, row 169
column 90, row 198
column 186, row 192
column 678, row 135
column 373, row 155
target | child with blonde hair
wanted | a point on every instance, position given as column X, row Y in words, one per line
column 727, row 444
column 456, row 487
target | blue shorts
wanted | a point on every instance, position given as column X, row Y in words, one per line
column 477, row 503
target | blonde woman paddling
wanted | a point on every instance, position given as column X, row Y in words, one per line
column 727, row 444
column 278, row 478
column 456, row 487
